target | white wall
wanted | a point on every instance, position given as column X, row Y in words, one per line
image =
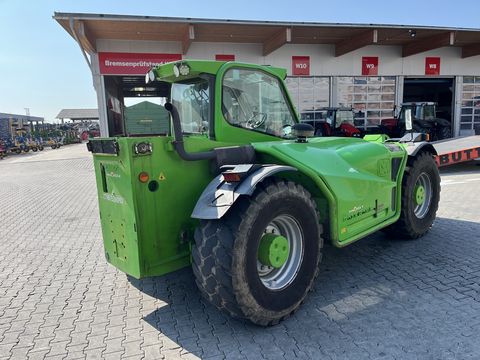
column 322, row 59
column 173, row 47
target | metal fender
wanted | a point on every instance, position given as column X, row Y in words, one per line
column 219, row 196
column 414, row 148
column 414, row 144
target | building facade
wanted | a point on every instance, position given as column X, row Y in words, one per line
column 371, row 68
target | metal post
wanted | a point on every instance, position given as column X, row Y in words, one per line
column 457, row 105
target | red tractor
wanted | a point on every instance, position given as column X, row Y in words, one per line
column 334, row 121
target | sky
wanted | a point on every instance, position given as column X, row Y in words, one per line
column 41, row 67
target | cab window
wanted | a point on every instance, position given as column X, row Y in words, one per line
column 419, row 112
column 192, row 100
column 344, row 117
column 429, row 112
column 254, row 100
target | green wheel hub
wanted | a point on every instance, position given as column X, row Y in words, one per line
column 419, row 194
column 273, row 250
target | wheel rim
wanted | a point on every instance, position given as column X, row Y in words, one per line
column 422, row 194
column 277, row 278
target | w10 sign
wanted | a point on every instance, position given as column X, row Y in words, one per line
column 300, row 65
column 432, row 66
column 370, row 65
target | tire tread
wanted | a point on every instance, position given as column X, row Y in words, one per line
column 214, row 277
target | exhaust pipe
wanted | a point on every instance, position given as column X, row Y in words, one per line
column 178, row 143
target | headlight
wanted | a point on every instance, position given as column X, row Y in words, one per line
column 150, row 76
column 184, row 69
column 181, row 69
column 176, row 71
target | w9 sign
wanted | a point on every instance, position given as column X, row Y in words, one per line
column 370, row 65
column 300, row 65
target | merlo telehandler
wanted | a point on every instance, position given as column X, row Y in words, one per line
column 244, row 194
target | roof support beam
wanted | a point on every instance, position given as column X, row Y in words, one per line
column 73, row 31
column 343, row 47
column 84, row 38
column 470, row 50
column 430, row 43
column 276, row 41
column 187, row 39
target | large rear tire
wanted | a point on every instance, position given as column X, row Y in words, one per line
column 227, row 261
column 445, row 132
column 420, row 198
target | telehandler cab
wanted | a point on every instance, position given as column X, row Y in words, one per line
column 240, row 191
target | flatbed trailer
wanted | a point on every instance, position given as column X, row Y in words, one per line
column 457, row 150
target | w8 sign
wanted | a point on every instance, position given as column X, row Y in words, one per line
column 300, row 65
column 432, row 66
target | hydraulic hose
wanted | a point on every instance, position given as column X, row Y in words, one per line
column 178, row 143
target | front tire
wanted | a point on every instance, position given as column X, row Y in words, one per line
column 420, row 198
column 227, row 263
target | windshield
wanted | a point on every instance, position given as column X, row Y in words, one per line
column 254, row 100
column 344, row 117
column 192, row 100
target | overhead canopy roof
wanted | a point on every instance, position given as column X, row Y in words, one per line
column 78, row 114
column 21, row 117
column 272, row 34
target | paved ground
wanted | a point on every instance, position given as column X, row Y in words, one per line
column 377, row 299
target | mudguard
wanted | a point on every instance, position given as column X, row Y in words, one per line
column 413, row 148
column 219, row 196
column 442, row 122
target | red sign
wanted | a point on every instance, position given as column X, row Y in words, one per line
column 432, row 66
column 370, row 65
column 224, row 57
column 132, row 63
column 301, row 65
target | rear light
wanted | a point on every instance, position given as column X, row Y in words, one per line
column 143, row 177
column 238, row 172
column 231, row 177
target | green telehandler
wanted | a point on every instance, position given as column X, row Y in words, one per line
column 243, row 193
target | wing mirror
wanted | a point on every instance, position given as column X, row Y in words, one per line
column 408, row 119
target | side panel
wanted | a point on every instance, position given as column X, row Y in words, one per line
column 147, row 226
column 356, row 174
column 117, row 212
column 165, row 202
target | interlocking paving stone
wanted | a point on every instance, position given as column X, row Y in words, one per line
column 377, row 299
